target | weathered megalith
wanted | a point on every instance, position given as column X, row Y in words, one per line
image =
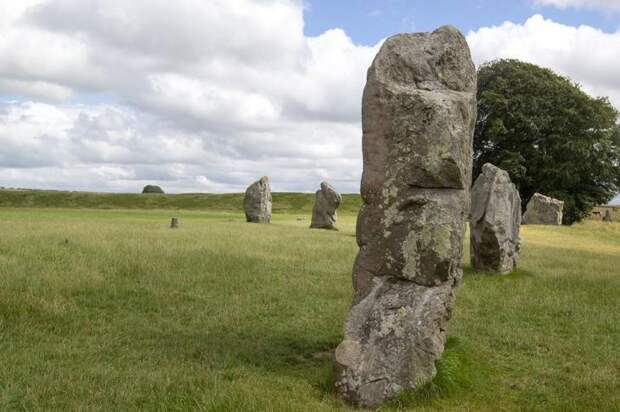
column 152, row 189
column 174, row 223
column 418, row 116
column 326, row 202
column 495, row 221
column 607, row 216
column 257, row 201
column 543, row 210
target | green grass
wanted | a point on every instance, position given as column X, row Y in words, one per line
column 111, row 310
column 232, row 202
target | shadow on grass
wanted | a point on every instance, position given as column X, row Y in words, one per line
column 270, row 340
column 296, row 356
column 516, row 274
column 457, row 372
column 312, row 361
column 259, row 346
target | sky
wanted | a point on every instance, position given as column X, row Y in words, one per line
column 209, row 95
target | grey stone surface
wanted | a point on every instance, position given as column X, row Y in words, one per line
column 607, row 216
column 418, row 116
column 152, row 189
column 495, row 221
column 543, row 210
column 326, row 202
column 257, row 201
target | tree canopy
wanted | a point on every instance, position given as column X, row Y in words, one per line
column 152, row 189
column 549, row 135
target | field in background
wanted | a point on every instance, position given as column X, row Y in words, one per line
column 599, row 212
column 232, row 202
column 111, row 310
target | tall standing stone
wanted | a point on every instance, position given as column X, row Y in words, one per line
column 495, row 221
column 326, row 202
column 607, row 216
column 418, row 116
column 257, row 201
column 543, row 210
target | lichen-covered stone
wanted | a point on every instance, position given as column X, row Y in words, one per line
column 543, row 210
column 326, row 202
column 418, row 116
column 495, row 221
column 257, row 201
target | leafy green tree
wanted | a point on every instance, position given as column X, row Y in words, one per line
column 548, row 134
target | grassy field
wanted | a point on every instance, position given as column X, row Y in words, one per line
column 110, row 310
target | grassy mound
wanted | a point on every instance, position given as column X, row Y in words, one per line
column 282, row 202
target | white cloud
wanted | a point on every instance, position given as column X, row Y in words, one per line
column 587, row 55
column 211, row 95
column 116, row 148
column 591, row 4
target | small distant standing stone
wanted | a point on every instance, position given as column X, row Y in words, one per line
column 257, row 201
column 152, row 189
column 543, row 210
column 495, row 221
column 607, row 216
column 326, row 202
column 174, row 223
